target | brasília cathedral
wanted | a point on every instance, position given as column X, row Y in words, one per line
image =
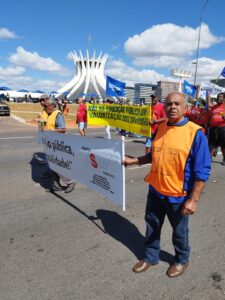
column 89, row 80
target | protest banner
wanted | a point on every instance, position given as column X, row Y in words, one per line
column 131, row 118
column 93, row 162
column 209, row 87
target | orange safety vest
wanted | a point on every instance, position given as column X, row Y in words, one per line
column 170, row 149
column 50, row 125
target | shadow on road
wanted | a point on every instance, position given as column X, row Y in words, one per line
column 38, row 168
column 122, row 230
column 115, row 225
column 127, row 233
column 119, row 228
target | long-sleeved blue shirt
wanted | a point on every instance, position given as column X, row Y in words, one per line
column 197, row 167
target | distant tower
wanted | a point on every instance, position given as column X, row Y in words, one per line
column 89, row 79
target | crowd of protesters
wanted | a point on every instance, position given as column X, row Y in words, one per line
column 180, row 164
column 207, row 114
column 210, row 116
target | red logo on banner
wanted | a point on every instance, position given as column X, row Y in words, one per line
column 93, row 161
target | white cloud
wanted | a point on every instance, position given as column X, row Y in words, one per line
column 14, row 78
column 14, row 75
column 166, row 44
column 70, row 56
column 208, row 68
column 26, row 82
column 34, row 61
column 7, row 34
column 46, row 85
column 119, row 70
column 11, row 71
column 159, row 61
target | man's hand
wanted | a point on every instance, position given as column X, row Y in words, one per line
column 151, row 122
column 141, row 160
column 130, row 160
column 60, row 130
column 189, row 207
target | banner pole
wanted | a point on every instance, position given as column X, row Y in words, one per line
column 123, row 173
column 215, row 82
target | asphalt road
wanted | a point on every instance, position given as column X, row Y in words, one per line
column 80, row 246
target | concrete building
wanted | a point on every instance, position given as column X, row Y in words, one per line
column 143, row 91
column 130, row 93
column 166, row 87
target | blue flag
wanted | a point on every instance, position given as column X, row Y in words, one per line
column 114, row 87
column 189, row 89
column 223, row 72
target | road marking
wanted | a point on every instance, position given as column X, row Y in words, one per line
column 25, row 111
column 89, row 133
column 33, row 112
column 17, row 137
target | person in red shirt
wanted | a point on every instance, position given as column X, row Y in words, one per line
column 217, row 124
column 158, row 116
column 198, row 115
column 81, row 118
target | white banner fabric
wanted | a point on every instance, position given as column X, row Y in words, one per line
column 211, row 87
column 94, row 162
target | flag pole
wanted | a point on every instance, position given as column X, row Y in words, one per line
column 216, row 81
column 123, row 172
column 198, row 44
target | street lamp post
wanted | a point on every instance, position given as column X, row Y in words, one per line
column 199, row 37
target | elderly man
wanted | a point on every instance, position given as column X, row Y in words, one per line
column 55, row 121
column 180, row 166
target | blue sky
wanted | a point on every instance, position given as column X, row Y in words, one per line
column 144, row 39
